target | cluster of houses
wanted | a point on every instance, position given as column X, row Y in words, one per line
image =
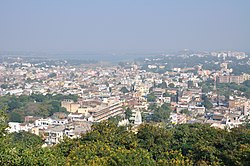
column 106, row 90
column 53, row 130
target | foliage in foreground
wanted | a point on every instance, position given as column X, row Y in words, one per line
column 107, row 144
column 34, row 105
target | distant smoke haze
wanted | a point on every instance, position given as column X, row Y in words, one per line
column 119, row 26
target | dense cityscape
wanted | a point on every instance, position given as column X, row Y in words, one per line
column 55, row 100
column 125, row 83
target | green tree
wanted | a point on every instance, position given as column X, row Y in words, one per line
column 171, row 85
column 115, row 119
column 186, row 112
column 4, row 86
column 3, row 122
column 15, row 117
column 151, row 97
column 152, row 106
column 13, row 103
column 163, row 85
column 160, row 114
column 128, row 113
column 205, row 89
column 124, row 90
column 247, row 83
column 154, row 139
column 166, row 94
column 51, row 75
column 26, row 139
column 190, row 84
column 207, row 104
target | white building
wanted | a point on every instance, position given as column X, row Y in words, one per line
column 44, row 123
column 17, row 127
column 136, row 117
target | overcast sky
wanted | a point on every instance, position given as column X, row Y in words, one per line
column 97, row 25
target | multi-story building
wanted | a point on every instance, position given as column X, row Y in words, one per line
column 231, row 79
column 70, row 105
column 103, row 113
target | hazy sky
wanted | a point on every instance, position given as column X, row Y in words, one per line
column 96, row 25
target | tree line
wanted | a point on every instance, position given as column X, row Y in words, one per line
column 150, row 144
column 17, row 107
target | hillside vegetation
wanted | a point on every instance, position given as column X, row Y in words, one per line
column 107, row 144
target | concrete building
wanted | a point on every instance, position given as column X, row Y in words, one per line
column 231, row 79
column 103, row 113
column 70, row 105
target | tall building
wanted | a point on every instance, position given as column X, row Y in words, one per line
column 231, row 79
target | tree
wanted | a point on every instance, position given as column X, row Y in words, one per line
column 26, row 139
column 186, row 112
column 166, row 106
column 4, row 86
column 163, row 85
column 160, row 114
column 247, row 83
column 154, row 139
column 171, row 85
column 124, row 90
column 128, row 113
column 152, row 106
column 13, row 103
column 73, row 97
column 151, row 97
column 166, row 94
column 115, row 119
column 55, row 107
column 3, row 122
column 15, row 117
column 51, row 75
column 190, row 84
column 207, row 104
column 151, row 89
column 38, row 97
column 205, row 89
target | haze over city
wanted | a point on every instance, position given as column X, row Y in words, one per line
column 125, row 83
column 119, row 26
